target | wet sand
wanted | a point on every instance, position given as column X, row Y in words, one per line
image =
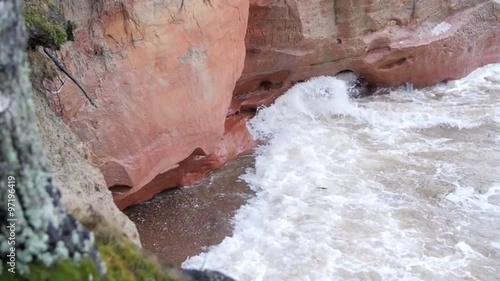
column 182, row 222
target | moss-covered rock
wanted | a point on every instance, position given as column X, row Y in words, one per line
column 123, row 262
column 46, row 25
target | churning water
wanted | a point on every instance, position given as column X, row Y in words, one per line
column 404, row 186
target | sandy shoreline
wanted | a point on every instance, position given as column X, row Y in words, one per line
column 182, row 222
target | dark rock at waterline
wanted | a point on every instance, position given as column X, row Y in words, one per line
column 356, row 84
column 207, row 275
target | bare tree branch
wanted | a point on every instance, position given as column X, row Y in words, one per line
column 63, row 69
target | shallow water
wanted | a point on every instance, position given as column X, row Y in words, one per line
column 404, row 186
column 181, row 222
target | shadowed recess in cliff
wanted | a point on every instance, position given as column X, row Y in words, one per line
column 235, row 141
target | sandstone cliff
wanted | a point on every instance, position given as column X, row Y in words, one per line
column 162, row 73
column 390, row 42
column 165, row 72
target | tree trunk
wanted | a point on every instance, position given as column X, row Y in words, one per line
column 34, row 224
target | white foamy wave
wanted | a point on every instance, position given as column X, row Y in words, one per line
column 470, row 198
column 396, row 187
column 319, row 97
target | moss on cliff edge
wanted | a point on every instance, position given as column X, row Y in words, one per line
column 123, row 262
column 46, row 25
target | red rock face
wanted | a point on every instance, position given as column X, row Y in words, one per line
column 163, row 72
column 390, row 42
column 236, row 140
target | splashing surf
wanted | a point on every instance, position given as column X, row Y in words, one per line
column 403, row 186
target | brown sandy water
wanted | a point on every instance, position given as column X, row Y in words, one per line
column 180, row 223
